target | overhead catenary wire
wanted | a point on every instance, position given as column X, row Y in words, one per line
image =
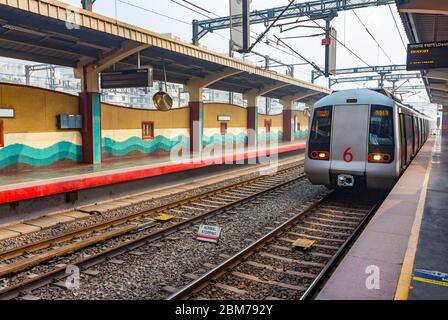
column 314, row 65
column 371, row 35
column 278, row 47
column 398, row 29
column 199, row 7
column 346, row 47
column 154, row 12
column 257, row 36
column 198, row 12
column 189, row 23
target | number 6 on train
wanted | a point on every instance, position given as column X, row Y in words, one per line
column 348, row 155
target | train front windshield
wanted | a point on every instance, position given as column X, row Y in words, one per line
column 381, row 127
column 381, row 134
column 320, row 133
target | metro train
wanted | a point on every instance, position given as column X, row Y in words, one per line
column 364, row 138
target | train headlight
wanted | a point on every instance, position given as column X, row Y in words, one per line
column 320, row 155
column 380, row 158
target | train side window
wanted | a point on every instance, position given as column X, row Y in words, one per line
column 403, row 141
column 415, row 141
column 417, row 131
column 2, row 135
column 409, row 136
column 422, row 132
column 148, row 130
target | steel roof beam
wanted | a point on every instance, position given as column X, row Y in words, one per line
column 313, row 9
column 391, row 77
column 36, row 58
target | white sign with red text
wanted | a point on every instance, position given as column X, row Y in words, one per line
column 209, row 233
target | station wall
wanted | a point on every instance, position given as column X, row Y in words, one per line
column 123, row 132
column 300, row 125
column 224, row 131
column 31, row 138
column 270, row 127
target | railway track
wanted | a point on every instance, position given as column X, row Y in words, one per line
column 272, row 268
column 142, row 226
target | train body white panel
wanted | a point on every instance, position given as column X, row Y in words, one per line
column 317, row 171
column 349, row 139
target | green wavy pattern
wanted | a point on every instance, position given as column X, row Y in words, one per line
column 116, row 148
column 20, row 153
column 271, row 136
column 240, row 138
column 123, row 148
column 302, row 134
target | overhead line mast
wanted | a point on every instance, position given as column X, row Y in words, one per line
column 314, row 10
column 87, row 4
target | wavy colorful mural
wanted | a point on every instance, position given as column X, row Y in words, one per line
column 20, row 153
column 298, row 135
column 276, row 135
column 240, row 138
column 123, row 148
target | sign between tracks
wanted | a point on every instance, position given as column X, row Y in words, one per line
column 209, row 233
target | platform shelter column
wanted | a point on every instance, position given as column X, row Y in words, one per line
column 252, row 120
column 196, row 119
column 445, row 121
column 287, row 119
column 90, row 110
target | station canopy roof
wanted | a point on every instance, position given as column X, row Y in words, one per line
column 427, row 21
column 43, row 31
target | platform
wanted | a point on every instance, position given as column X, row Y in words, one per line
column 403, row 252
column 41, row 183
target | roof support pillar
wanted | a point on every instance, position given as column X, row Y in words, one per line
column 90, row 98
column 445, row 121
column 195, row 88
column 287, row 125
column 252, row 119
column 196, row 118
column 252, row 111
column 288, row 105
column 90, row 109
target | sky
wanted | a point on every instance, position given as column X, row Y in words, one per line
column 169, row 17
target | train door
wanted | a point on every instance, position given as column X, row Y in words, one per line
column 409, row 138
column 349, row 139
column 403, row 146
column 415, row 139
column 417, row 133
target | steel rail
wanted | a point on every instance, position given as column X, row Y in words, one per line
column 334, row 261
column 14, row 291
column 44, row 243
column 203, row 281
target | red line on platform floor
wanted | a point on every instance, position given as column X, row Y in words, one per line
column 44, row 188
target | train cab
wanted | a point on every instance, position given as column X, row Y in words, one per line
column 355, row 140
